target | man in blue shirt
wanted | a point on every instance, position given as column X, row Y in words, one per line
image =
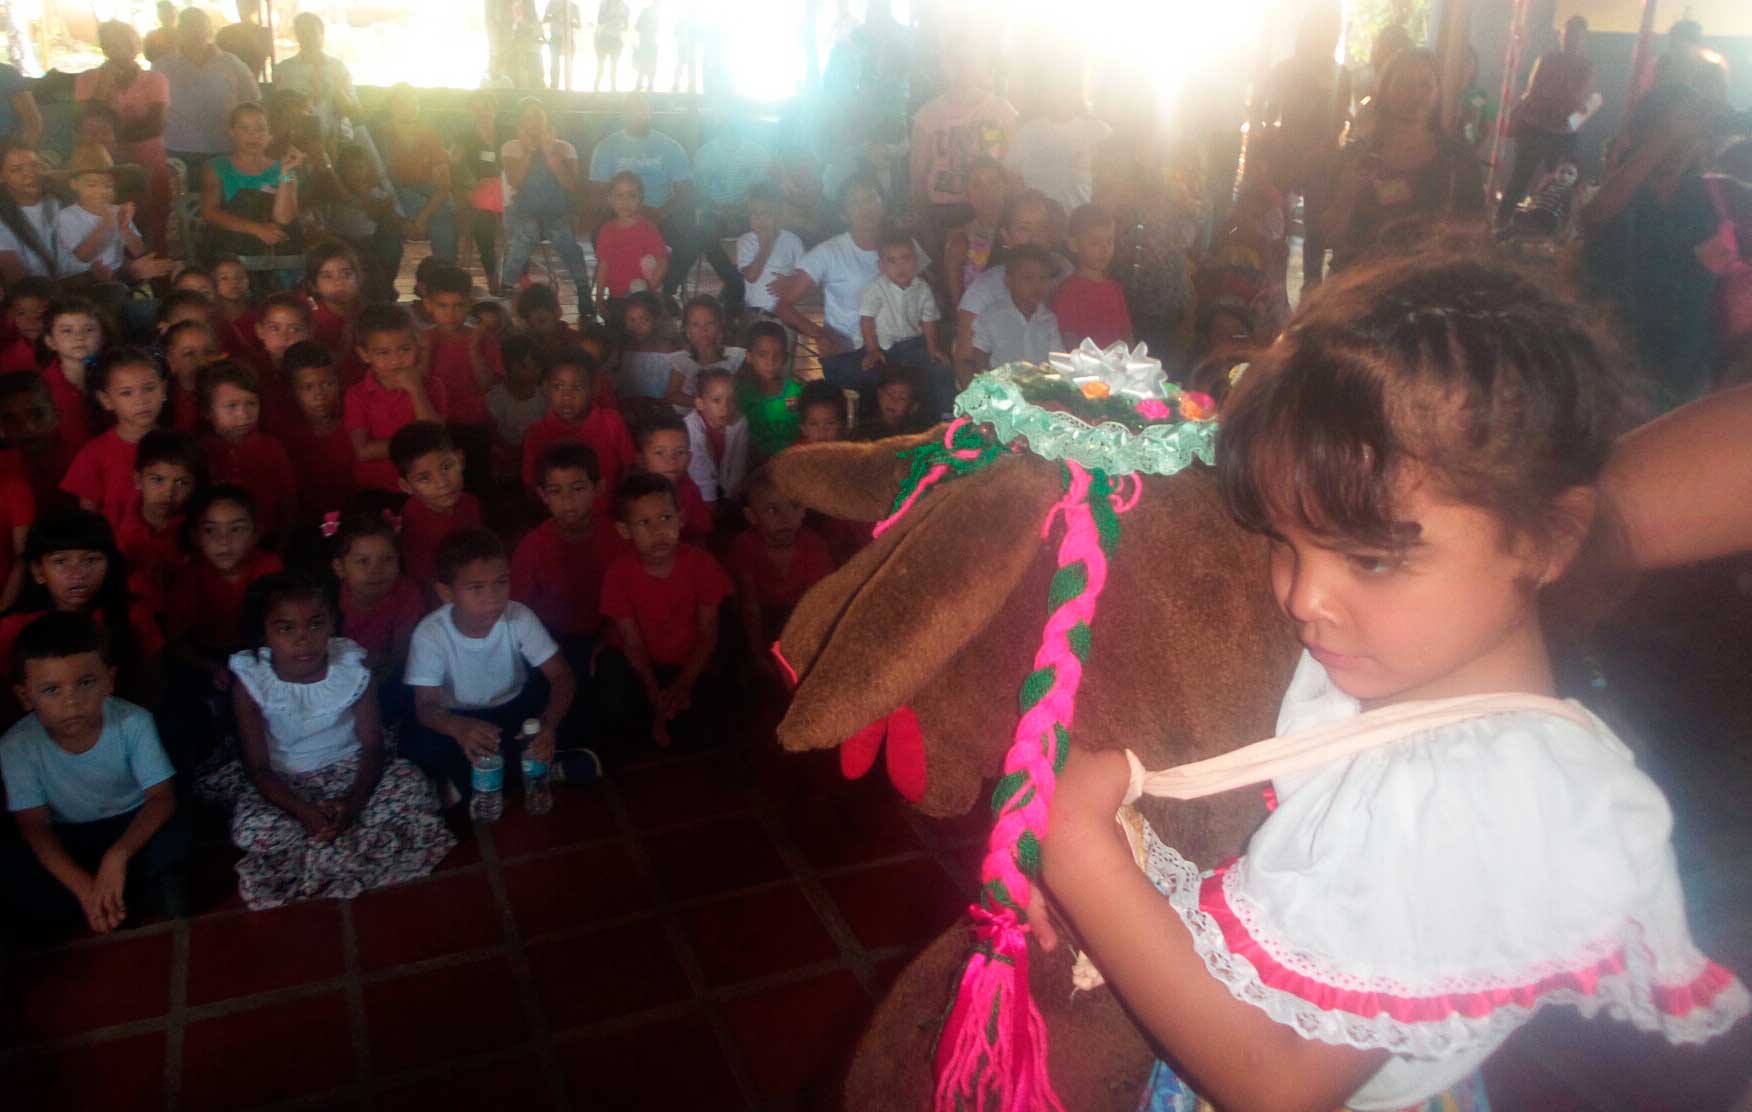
column 663, row 166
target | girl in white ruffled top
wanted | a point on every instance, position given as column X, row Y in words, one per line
column 330, row 813
column 1422, row 449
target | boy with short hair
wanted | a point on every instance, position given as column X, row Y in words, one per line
column 167, row 468
column 96, row 235
column 663, row 598
column 538, row 307
column 766, row 252
column 318, row 444
column 391, row 395
column 516, row 402
column 469, row 662
column 897, row 406
column 1020, row 328
column 558, row 567
column 821, row 413
column 465, row 361
column 569, row 382
column 717, row 438
column 898, row 307
column 89, row 785
column 774, row 562
column 1089, row 304
column 663, row 450
column 431, row 473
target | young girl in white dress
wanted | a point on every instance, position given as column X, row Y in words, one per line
column 1422, row 449
column 329, row 813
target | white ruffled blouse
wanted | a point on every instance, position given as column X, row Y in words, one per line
column 310, row 725
column 1429, row 896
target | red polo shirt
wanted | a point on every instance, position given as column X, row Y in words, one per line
column 381, row 412
column 153, row 555
column 148, row 638
column 103, row 474
column 560, row 577
column 1092, row 307
column 185, row 410
column 335, row 333
column 258, row 463
column 421, row 530
column 390, row 623
column 325, row 467
column 206, row 608
column 74, row 410
column 17, row 507
column 18, row 354
column 666, row 611
column 696, row 515
column 238, row 339
column 465, row 403
column 620, row 248
column 778, row 589
column 603, row 429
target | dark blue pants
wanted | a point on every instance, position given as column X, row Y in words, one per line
column 34, row 900
column 441, row 757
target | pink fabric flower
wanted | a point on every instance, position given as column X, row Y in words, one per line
column 1154, row 409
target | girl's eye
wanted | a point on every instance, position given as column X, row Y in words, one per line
column 1372, row 563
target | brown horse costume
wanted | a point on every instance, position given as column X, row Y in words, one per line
column 942, row 614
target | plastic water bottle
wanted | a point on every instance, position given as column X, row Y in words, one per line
column 538, row 794
column 488, row 778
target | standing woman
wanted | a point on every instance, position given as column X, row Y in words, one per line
column 476, row 171
column 1407, row 169
column 139, row 98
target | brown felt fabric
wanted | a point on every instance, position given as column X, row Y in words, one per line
column 856, row 482
column 1189, row 658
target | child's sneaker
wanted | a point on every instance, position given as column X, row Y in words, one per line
column 577, row 766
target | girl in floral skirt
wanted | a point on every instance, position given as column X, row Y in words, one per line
column 330, row 812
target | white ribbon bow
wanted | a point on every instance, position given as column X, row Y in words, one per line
column 1124, row 370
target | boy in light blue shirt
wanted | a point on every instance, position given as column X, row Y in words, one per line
column 89, row 786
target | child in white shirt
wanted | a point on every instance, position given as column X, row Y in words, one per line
column 96, row 236
column 717, row 438
column 766, row 252
column 898, row 308
column 1020, row 328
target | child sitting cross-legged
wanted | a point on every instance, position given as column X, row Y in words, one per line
column 90, row 788
column 774, row 562
column 238, row 451
column 167, row 468
column 393, row 393
column 469, row 665
column 663, row 450
column 129, row 384
column 663, row 598
column 569, row 382
column 437, row 506
column 717, row 439
column 328, row 813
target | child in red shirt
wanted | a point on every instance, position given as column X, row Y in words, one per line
column 773, row 563
column 282, row 320
column 167, row 469
column 663, row 598
column 319, row 446
column 379, row 606
column 573, row 415
column 239, row 452
column 391, row 395
column 17, row 512
column 72, row 335
column 466, row 361
column 821, row 417
column 629, row 248
column 188, row 346
column 1089, row 304
column 129, row 384
column 25, row 304
column 31, row 426
column 538, row 308
column 557, row 569
column 236, row 326
column 332, row 271
column 431, row 473
column 663, row 450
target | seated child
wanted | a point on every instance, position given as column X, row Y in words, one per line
column 516, row 402
column 379, row 605
column 773, row 562
column 318, row 444
column 17, row 514
column 573, row 415
column 766, row 252
column 390, row 396
column 74, row 566
column 167, row 469
column 558, row 567
column 898, row 308
column 663, row 598
column 469, row 667
column 73, row 336
column 188, row 347
column 196, row 279
column 1089, row 304
column 663, row 450
column 96, row 236
column 630, row 252
column 31, row 427
column 766, row 394
column 431, row 474
column 717, row 438
column 328, row 813
column 465, row 362
column 129, row 384
column 604, row 345
column 334, row 274
column 363, row 213
column 490, row 317
column 26, row 299
column 237, row 451
column 283, row 319
column 821, row 413
column 237, row 316
column 90, row 787
column 897, row 406
column 702, row 322
column 1019, row 328
column 646, row 353
column 538, row 308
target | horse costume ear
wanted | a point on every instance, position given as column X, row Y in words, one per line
column 855, row 482
column 884, row 632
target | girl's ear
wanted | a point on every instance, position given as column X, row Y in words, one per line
column 36, row 572
column 1571, row 521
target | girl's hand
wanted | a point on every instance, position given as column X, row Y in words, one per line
column 270, row 234
column 293, row 159
column 314, row 819
column 124, row 216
